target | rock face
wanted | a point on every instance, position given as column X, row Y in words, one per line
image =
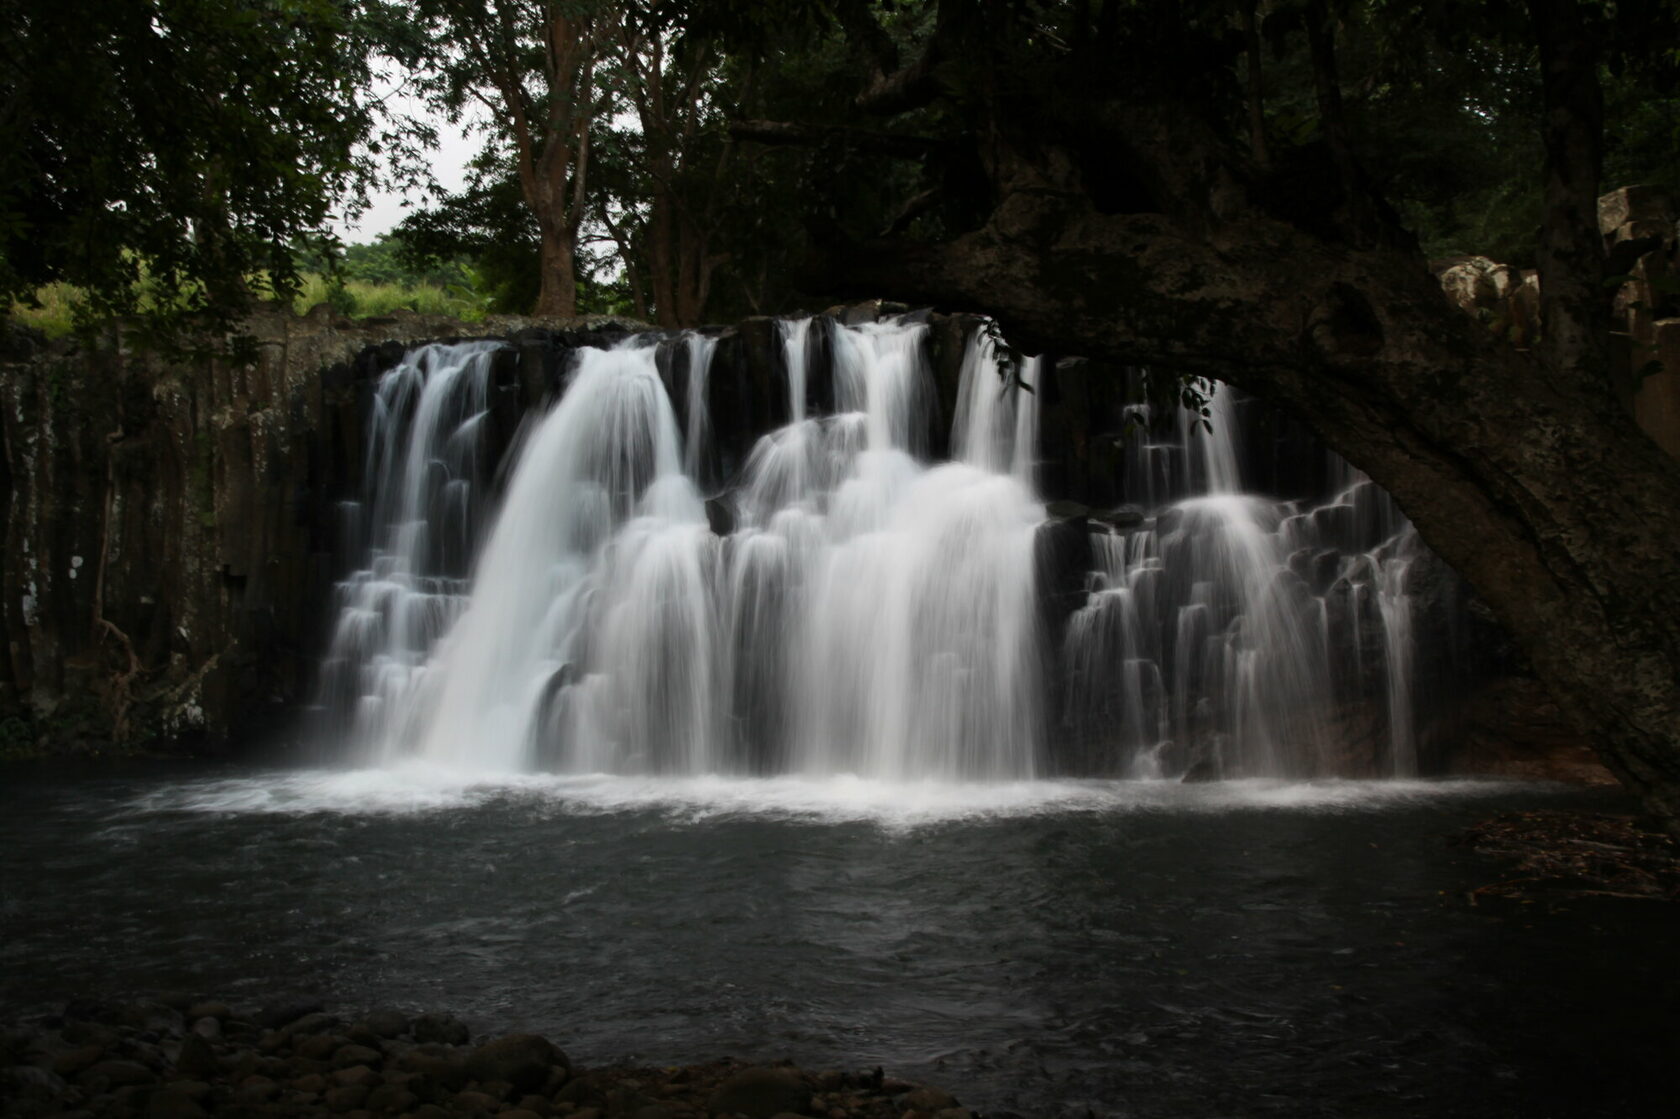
column 1505, row 298
column 169, row 524
column 1510, row 727
column 168, row 527
column 1642, row 250
column 1640, row 238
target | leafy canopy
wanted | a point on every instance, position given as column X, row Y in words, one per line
column 172, row 154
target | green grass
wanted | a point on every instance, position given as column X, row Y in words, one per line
column 56, row 314
column 55, row 317
column 361, row 298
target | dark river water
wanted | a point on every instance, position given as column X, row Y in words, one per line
column 1124, row 948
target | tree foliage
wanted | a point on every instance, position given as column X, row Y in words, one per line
column 532, row 66
column 175, row 153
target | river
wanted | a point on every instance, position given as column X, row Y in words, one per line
column 1131, row 948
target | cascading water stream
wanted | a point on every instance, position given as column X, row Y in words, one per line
column 1207, row 644
column 425, row 474
column 598, row 504
column 610, row 630
column 700, row 348
column 870, row 612
column 996, row 424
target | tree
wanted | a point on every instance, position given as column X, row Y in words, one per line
column 174, row 154
column 1128, row 219
column 534, row 67
column 487, row 223
column 671, row 166
column 488, row 228
column 663, row 187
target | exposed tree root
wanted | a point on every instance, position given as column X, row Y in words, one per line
column 120, row 694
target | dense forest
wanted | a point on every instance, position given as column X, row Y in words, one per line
column 690, row 162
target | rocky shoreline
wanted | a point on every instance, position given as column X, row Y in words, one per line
column 187, row 1059
column 1553, row 856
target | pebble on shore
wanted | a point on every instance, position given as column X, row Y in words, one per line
column 190, row 1059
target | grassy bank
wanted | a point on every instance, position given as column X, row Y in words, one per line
column 55, row 315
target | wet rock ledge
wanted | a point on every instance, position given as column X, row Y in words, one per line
column 181, row 1059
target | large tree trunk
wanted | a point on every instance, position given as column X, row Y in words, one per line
column 1255, row 83
column 1574, row 312
column 1523, row 476
column 679, row 268
column 556, row 46
column 661, row 260
column 558, row 294
column 680, row 204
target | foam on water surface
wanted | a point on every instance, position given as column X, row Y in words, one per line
column 417, row 787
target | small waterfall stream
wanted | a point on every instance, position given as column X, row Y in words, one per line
column 1217, row 633
column 869, row 611
column 415, row 526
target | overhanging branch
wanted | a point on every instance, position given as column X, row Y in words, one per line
column 906, row 89
column 794, row 134
column 891, row 92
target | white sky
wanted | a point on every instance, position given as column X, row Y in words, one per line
column 457, row 145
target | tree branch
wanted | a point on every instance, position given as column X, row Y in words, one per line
column 898, row 91
column 903, row 90
column 911, row 210
column 794, row 134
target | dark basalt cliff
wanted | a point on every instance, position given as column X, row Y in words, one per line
column 168, row 528
column 172, row 531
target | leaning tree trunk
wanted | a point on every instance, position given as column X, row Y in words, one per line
column 1526, row 479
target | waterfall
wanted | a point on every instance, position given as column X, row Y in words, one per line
column 996, row 424
column 1206, row 644
column 784, row 464
column 599, row 525
column 868, row 611
column 425, row 475
column 1217, row 645
column 700, row 349
column 795, row 334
